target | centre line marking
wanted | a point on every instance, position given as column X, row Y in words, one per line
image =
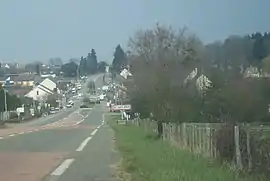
column 63, row 167
column 94, row 132
column 84, row 143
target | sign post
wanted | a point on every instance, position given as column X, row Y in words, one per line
column 121, row 107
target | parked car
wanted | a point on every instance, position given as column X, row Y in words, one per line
column 71, row 102
column 69, row 105
column 83, row 106
column 94, row 100
column 52, row 110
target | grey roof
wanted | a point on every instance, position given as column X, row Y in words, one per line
column 24, row 77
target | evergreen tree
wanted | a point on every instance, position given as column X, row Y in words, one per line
column 119, row 60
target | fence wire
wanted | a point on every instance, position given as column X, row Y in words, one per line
column 246, row 147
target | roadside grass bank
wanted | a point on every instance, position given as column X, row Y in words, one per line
column 146, row 158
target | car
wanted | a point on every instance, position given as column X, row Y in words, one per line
column 69, row 106
column 71, row 102
column 102, row 96
column 83, row 106
column 94, row 99
column 52, row 110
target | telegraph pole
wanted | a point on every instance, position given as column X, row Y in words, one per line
column 5, row 95
column 78, row 73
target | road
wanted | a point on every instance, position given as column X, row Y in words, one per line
column 74, row 145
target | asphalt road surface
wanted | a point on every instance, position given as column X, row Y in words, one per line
column 73, row 145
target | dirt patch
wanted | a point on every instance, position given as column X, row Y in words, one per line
column 118, row 168
column 119, row 172
column 28, row 166
column 3, row 126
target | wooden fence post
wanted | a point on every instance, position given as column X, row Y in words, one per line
column 193, row 138
column 248, row 148
column 200, row 140
column 209, row 142
column 184, row 134
column 237, row 148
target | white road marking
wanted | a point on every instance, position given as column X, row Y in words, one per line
column 84, row 143
column 98, row 127
column 21, row 133
column 11, row 135
column 79, row 122
column 94, row 132
column 63, row 167
column 1, row 138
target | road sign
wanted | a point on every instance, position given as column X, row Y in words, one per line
column 121, row 107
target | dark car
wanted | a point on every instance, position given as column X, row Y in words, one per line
column 83, row 106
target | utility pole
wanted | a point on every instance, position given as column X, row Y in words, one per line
column 5, row 94
column 78, row 73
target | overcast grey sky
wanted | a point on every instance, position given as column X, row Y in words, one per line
column 39, row 29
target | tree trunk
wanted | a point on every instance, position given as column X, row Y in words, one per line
column 160, row 129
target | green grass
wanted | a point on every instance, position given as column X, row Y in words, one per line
column 149, row 159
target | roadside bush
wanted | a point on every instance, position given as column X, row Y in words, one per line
column 38, row 114
column 260, row 152
column 13, row 115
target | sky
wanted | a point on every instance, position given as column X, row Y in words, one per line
column 36, row 30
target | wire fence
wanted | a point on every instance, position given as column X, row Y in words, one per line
column 245, row 147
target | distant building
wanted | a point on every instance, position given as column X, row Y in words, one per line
column 23, row 80
column 125, row 73
column 46, row 87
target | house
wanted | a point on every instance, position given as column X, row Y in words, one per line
column 39, row 92
column 202, row 82
column 125, row 73
column 18, row 90
column 23, row 80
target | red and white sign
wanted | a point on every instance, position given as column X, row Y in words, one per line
column 121, row 107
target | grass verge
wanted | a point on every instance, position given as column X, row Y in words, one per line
column 147, row 159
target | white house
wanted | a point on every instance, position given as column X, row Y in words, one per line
column 46, row 87
column 202, row 82
column 125, row 73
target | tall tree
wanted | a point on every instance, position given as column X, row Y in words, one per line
column 94, row 61
column 70, row 69
column 56, row 62
column 102, row 66
column 83, row 66
column 91, row 62
column 119, row 60
column 259, row 50
column 38, row 69
column 88, row 63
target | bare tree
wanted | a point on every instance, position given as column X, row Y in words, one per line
column 161, row 59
